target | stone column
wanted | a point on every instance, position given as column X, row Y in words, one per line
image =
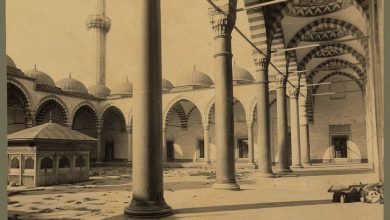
column 251, row 156
column 164, row 145
column 295, row 138
column 148, row 195
column 222, row 24
column 99, row 143
column 282, row 123
column 129, row 143
column 206, row 141
column 304, row 134
column 264, row 159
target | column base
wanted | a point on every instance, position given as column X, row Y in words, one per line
column 228, row 186
column 265, row 174
column 148, row 210
column 306, row 164
column 296, row 166
column 283, row 170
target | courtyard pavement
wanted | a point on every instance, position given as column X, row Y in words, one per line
column 302, row 196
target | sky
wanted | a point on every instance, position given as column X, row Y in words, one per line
column 52, row 35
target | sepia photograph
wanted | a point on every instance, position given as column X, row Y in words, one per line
column 194, row 109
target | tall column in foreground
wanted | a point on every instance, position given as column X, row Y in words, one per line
column 295, row 139
column 148, row 197
column 282, row 124
column 264, row 160
column 222, row 24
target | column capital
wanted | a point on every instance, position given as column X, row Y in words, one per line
column 223, row 21
column 101, row 22
column 206, row 125
column 263, row 62
column 280, row 81
column 293, row 93
column 250, row 124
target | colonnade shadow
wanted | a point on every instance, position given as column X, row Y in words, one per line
column 333, row 172
column 236, row 207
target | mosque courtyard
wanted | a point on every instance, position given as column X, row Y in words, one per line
column 302, row 195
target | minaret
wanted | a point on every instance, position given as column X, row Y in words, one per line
column 99, row 25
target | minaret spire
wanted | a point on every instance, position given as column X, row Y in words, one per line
column 98, row 24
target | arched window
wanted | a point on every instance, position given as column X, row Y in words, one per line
column 80, row 162
column 46, row 163
column 29, row 163
column 64, row 162
column 15, row 163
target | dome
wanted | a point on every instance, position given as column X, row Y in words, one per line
column 10, row 62
column 242, row 75
column 124, row 87
column 195, row 78
column 166, row 85
column 99, row 90
column 41, row 77
column 72, row 85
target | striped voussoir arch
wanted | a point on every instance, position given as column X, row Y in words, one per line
column 116, row 112
column 341, row 46
column 335, row 63
column 180, row 112
column 46, row 104
column 278, row 59
column 191, row 111
column 339, row 73
column 257, row 26
column 327, row 23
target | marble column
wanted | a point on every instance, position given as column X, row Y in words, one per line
column 148, row 193
column 164, row 145
column 304, row 134
column 222, row 24
column 264, row 159
column 282, row 125
column 99, row 143
column 206, row 141
column 295, row 138
column 251, row 155
column 129, row 143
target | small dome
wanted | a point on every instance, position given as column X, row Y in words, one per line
column 166, row 85
column 124, row 87
column 241, row 75
column 41, row 77
column 195, row 78
column 72, row 85
column 10, row 62
column 99, row 90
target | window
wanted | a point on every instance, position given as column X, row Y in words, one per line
column 242, row 148
column 46, row 163
column 64, row 162
column 200, row 148
column 15, row 163
column 29, row 163
column 80, row 162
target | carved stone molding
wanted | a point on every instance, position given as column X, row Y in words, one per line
column 223, row 21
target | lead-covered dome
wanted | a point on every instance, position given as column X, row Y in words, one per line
column 241, row 75
column 72, row 85
column 125, row 87
column 195, row 78
column 166, row 85
column 42, row 78
column 10, row 62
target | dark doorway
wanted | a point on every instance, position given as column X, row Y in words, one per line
column 242, row 148
column 170, row 151
column 340, row 146
column 109, row 156
column 201, row 149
